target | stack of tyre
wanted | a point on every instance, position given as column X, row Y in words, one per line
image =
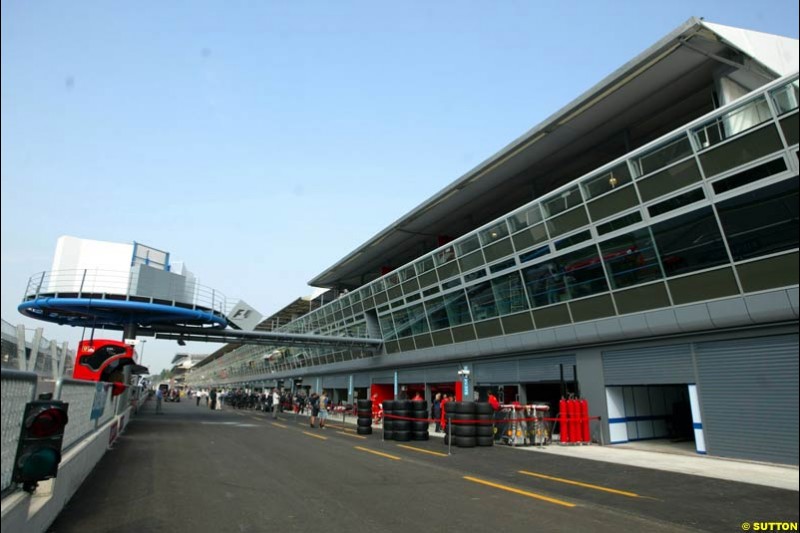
column 401, row 425
column 462, row 416
column 420, row 424
column 364, row 421
column 484, row 430
column 388, row 421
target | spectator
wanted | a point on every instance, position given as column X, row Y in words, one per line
column 276, row 403
column 324, row 402
column 159, row 399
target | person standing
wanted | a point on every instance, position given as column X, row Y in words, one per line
column 443, row 408
column 436, row 410
column 213, row 396
column 197, row 397
column 276, row 403
column 314, row 400
column 159, row 399
column 323, row 409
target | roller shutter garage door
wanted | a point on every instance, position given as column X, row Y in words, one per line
column 659, row 365
column 748, row 394
column 335, row 382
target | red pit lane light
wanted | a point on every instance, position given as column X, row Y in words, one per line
column 39, row 448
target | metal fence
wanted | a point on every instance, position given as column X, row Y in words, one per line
column 28, row 350
column 18, row 388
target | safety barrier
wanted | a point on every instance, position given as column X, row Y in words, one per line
column 18, row 388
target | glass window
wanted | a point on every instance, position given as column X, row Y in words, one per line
column 509, row 293
column 631, row 259
column 545, row 283
column 392, row 280
column 472, row 276
column 481, row 300
column 467, row 245
column 437, row 314
column 584, row 272
column 573, row 275
column 619, row 223
column 530, row 216
column 751, row 175
column 402, row 323
column 445, row 255
column 573, row 239
column 607, row 181
column 417, row 319
column 763, row 221
column 663, row 155
column 689, row 242
column 387, row 327
column 497, row 267
column 407, row 273
column 452, row 283
column 457, row 308
column 534, row 254
column 671, row 204
column 432, row 290
column 494, row 233
column 785, row 98
column 527, row 238
column 733, row 122
column 564, row 200
column 424, row 264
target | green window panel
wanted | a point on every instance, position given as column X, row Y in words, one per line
column 562, row 201
column 428, row 278
column 704, row 286
column 441, row 338
column 592, row 308
column 740, row 151
column 448, row 270
column 530, row 237
column 608, row 205
column 463, row 333
column 488, row 328
column 471, row 261
column 410, row 286
column 392, row 347
column 607, row 181
column 751, row 175
column 567, row 222
column 498, row 250
column 423, row 341
column 517, row 323
column 642, row 298
column 549, row 317
column 407, row 345
column 395, row 292
column 494, row 233
column 789, row 127
column 668, row 180
column 771, row 273
column 470, row 244
column 457, row 308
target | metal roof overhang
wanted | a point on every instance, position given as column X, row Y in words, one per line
column 653, row 94
column 269, row 338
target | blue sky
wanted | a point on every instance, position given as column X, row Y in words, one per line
column 260, row 142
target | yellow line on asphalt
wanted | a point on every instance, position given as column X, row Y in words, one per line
column 279, row 425
column 581, row 484
column 407, row 447
column 351, row 435
column 379, row 453
column 521, row 492
column 315, row 436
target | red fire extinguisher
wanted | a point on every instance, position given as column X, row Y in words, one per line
column 562, row 421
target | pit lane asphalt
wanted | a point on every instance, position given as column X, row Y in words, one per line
column 196, row 470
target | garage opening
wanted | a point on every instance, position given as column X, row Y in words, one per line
column 650, row 413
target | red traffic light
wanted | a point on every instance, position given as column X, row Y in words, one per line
column 40, row 439
column 47, row 423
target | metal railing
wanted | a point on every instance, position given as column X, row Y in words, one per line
column 94, row 283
